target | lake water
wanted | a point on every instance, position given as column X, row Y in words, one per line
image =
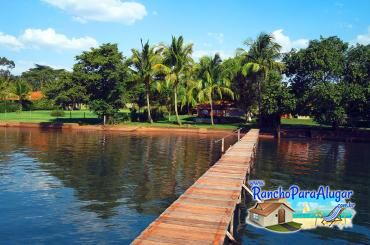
column 85, row 187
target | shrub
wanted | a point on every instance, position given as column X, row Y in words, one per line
column 43, row 104
column 57, row 113
column 156, row 113
column 120, row 117
column 8, row 106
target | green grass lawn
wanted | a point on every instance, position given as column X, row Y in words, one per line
column 279, row 228
column 44, row 116
column 295, row 224
column 299, row 122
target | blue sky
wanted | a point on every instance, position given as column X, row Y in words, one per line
column 53, row 32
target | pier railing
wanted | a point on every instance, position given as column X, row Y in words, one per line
column 222, row 140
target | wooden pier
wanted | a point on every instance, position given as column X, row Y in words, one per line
column 204, row 213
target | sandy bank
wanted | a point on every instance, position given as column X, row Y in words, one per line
column 117, row 128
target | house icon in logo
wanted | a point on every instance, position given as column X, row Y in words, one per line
column 271, row 212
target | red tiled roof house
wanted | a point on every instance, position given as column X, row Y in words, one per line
column 271, row 212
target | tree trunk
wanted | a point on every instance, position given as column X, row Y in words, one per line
column 278, row 124
column 176, row 112
column 148, row 105
column 20, row 104
column 210, row 102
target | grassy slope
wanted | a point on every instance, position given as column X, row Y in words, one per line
column 44, row 116
column 278, row 228
column 295, row 224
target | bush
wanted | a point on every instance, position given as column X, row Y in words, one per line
column 57, row 113
column 156, row 113
column 43, row 104
column 120, row 117
column 8, row 106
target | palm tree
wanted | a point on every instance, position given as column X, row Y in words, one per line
column 144, row 65
column 210, row 73
column 318, row 214
column 177, row 58
column 189, row 91
column 4, row 89
column 262, row 57
column 21, row 89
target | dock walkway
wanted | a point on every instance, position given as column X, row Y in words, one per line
column 204, row 213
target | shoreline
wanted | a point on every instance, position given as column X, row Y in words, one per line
column 113, row 128
column 341, row 135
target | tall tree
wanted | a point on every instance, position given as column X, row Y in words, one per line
column 64, row 92
column 244, row 87
column 40, row 76
column 212, row 82
column 6, row 66
column 328, row 103
column 357, row 83
column 21, row 89
column 177, row 58
column 261, row 57
column 277, row 99
column 322, row 61
column 102, row 71
column 145, row 65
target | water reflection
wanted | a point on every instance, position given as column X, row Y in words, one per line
column 94, row 187
column 310, row 164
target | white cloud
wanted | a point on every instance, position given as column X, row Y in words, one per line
column 218, row 36
column 49, row 38
column 363, row 38
column 286, row 43
column 126, row 12
column 10, row 41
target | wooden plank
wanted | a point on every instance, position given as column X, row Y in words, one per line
column 202, row 214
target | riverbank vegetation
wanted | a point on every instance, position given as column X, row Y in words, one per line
column 329, row 81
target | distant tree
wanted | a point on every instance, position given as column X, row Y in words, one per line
column 328, row 108
column 189, row 91
column 244, row 87
column 357, row 83
column 64, row 92
column 323, row 61
column 261, row 58
column 102, row 72
column 277, row 99
column 40, row 76
column 212, row 81
column 177, row 58
column 21, row 89
column 357, row 65
column 6, row 66
column 145, row 66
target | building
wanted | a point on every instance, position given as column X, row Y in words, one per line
column 221, row 109
column 271, row 212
